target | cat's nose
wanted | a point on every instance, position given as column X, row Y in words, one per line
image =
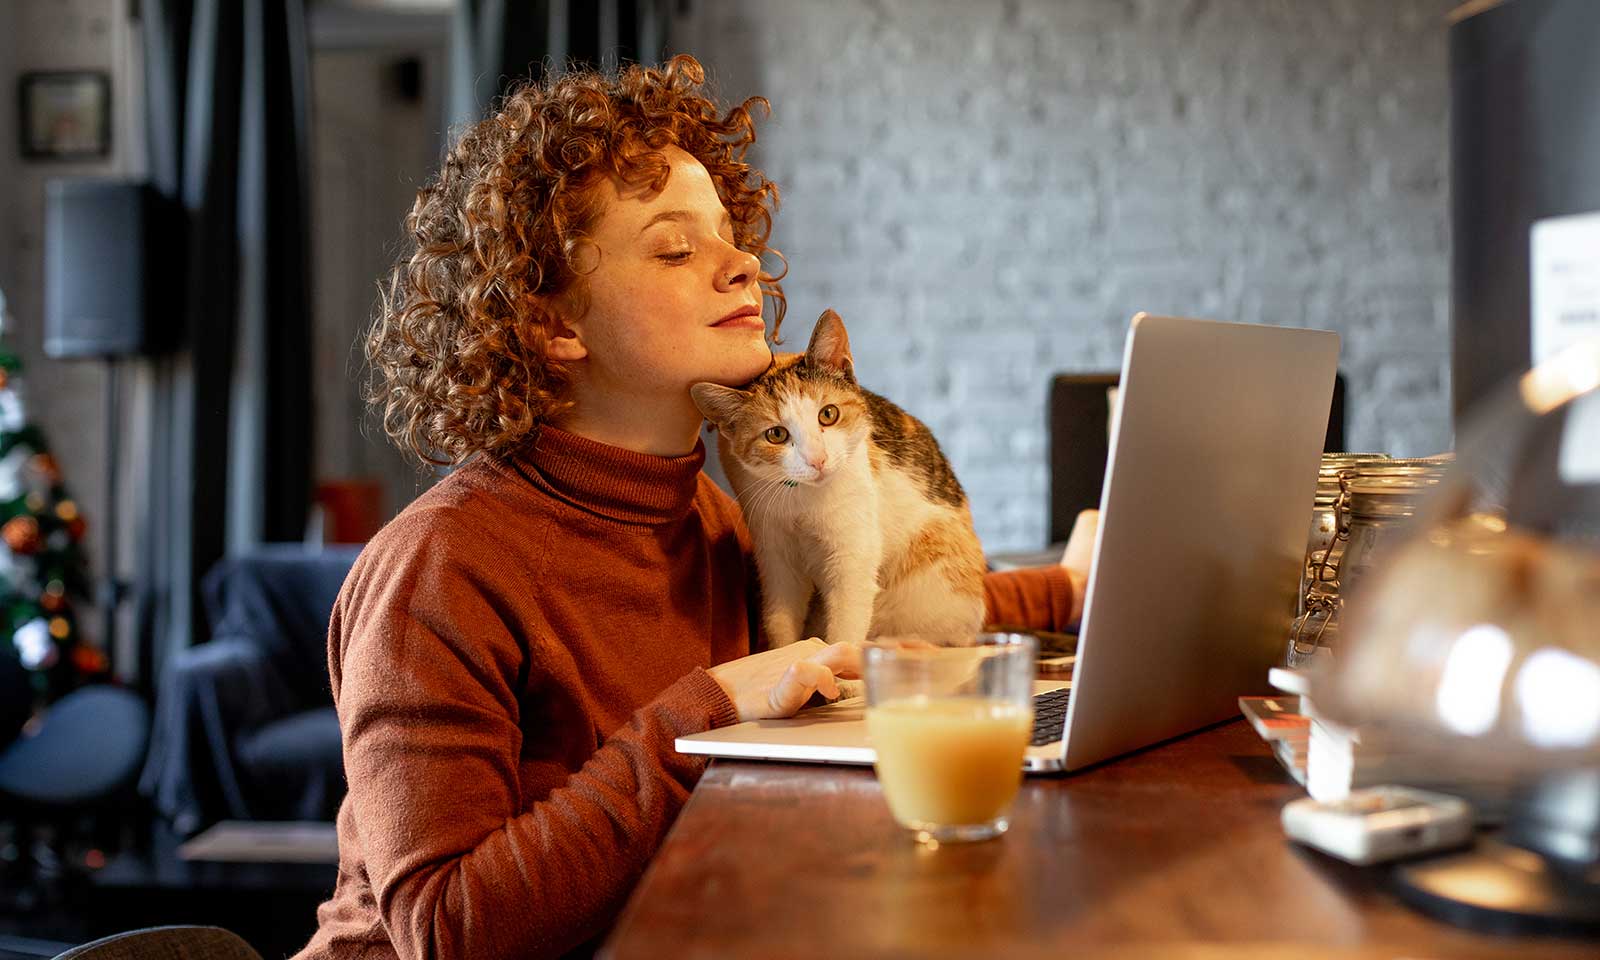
column 818, row 461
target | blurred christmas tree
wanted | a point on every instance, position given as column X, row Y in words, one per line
column 43, row 573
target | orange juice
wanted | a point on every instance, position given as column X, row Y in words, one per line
column 945, row 761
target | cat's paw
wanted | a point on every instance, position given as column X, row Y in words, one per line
column 849, row 689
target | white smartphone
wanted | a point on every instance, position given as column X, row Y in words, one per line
column 1375, row 824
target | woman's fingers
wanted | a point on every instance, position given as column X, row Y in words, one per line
column 809, row 676
column 797, row 684
column 843, row 659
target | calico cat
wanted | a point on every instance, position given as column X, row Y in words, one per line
column 847, row 496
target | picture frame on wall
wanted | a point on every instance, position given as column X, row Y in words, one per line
column 64, row 114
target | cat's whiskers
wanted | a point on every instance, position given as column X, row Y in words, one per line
column 779, row 491
column 750, row 496
column 759, row 496
column 760, row 505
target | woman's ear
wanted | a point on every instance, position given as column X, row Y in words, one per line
column 567, row 345
column 566, row 338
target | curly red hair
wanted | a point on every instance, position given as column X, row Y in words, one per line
column 458, row 351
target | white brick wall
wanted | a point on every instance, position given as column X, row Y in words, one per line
column 987, row 192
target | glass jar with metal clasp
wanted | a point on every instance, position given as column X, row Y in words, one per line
column 1324, row 523
column 1378, row 509
column 1388, row 492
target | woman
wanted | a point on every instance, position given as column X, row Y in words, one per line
column 513, row 656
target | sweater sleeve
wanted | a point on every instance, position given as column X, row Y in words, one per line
column 460, row 865
column 1033, row 598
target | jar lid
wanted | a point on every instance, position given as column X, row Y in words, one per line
column 1412, row 468
column 1393, row 496
column 1335, row 464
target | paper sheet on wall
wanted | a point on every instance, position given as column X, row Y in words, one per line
column 1580, row 442
column 1565, row 273
column 1566, row 282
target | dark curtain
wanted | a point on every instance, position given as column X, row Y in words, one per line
column 229, row 459
column 494, row 43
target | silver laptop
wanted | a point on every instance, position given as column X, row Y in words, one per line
column 1214, row 451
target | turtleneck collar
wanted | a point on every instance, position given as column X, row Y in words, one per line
column 610, row 481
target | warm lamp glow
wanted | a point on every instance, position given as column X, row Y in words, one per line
column 1468, row 697
column 1569, row 374
column 1559, row 695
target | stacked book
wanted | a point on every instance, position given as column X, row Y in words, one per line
column 1337, row 759
column 1279, row 722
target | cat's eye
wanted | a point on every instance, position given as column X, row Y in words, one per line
column 776, row 435
column 828, row 416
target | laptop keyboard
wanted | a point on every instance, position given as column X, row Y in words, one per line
column 1049, row 716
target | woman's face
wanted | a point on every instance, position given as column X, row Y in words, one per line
column 663, row 279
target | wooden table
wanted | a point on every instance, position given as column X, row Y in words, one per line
column 1175, row 851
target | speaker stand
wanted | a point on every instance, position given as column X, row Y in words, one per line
column 110, row 590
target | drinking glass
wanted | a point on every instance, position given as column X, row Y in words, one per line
column 949, row 723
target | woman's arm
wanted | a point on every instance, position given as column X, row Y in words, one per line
column 1033, row 598
column 1045, row 598
column 460, row 864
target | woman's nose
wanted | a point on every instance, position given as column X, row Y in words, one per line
column 741, row 270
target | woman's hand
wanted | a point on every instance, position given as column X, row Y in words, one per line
column 1078, row 555
column 776, row 683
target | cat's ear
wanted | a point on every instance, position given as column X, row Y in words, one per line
column 717, row 403
column 830, row 346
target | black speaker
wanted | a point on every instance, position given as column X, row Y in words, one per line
column 110, row 251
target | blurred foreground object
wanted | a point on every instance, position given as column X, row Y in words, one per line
column 1474, row 645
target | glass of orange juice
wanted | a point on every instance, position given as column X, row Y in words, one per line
column 949, row 724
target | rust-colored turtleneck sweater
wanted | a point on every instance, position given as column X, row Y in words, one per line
column 512, row 658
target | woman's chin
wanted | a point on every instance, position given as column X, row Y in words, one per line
column 738, row 368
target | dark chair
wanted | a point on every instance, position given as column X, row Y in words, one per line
column 16, row 697
column 245, row 726
column 165, row 943
column 1078, row 427
column 77, row 766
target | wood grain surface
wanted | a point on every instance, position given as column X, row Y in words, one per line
column 1175, row 851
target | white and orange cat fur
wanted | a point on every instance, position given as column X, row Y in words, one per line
column 847, row 497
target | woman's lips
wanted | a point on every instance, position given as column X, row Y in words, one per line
column 742, row 321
